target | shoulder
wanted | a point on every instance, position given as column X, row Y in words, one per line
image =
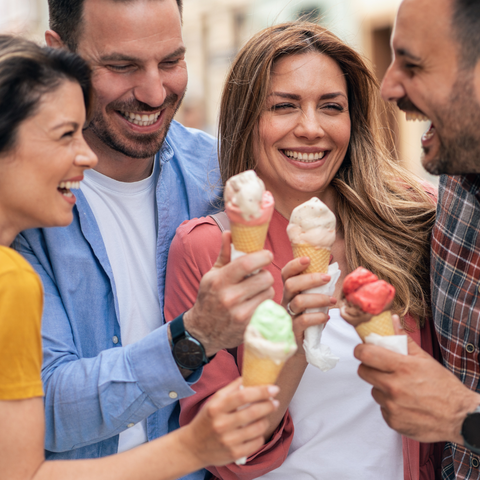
column 183, row 139
column 198, row 239
column 13, row 265
column 198, row 234
column 18, row 282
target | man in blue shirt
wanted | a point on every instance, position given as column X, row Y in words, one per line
column 111, row 379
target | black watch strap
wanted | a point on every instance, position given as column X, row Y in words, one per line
column 177, row 328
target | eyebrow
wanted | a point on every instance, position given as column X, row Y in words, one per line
column 74, row 125
column 292, row 96
column 403, row 52
column 120, row 57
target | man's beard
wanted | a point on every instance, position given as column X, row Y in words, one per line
column 458, row 132
column 134, row 145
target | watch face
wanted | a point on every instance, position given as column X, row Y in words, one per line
column 188, row 353
column 471, row 430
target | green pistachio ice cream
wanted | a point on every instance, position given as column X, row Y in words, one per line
column 270, row 332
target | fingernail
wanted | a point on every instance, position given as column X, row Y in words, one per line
column 304, row 260
column 333, row 300
column 276, row 403
column 273, row 390
column 325, row 278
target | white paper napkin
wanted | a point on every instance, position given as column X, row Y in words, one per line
column 318, row 354
column 395, row 343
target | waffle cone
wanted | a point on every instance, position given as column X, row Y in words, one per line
column 248, row 239
column 379, row 324
column 259, row 370
column 319, row 257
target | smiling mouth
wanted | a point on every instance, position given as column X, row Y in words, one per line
column 304, row 157
column 64, row 188
column 140, row 120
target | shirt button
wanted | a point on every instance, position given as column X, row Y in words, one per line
column 475, row 462
column 470, row 348
column 173, row 394
column 115, row 339
column 130, row 425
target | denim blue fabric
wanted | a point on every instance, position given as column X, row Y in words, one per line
column 94, row 387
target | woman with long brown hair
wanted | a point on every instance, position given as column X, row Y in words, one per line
column 301, row 108
column 44, row 95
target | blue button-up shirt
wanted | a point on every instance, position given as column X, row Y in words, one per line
column 94, row 387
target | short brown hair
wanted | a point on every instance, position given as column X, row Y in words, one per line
column 385, row 213
column 27, row 72
column 66, row 19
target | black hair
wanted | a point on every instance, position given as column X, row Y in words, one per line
column 466, row 27
column 66, row 19
column 27, row 72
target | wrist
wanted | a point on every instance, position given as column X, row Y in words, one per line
column 188, row 352
column 189, row 448
column 468, row 404
column 469, row 434
column 190, row 322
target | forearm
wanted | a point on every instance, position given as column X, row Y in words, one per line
column 288, row 381
column 163, row 459
column 89, row 400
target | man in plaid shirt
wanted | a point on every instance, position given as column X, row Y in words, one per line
column 435, row 75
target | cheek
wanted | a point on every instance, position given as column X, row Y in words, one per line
column 109, row 87
column 176, row 81
column 341, row 133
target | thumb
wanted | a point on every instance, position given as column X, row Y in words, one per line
column 413, row 348
column 225, row 250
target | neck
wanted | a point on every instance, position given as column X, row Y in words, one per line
column 284, row 204
column 116, row 165
column 8, row 230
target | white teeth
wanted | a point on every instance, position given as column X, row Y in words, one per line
column 304, row 157
column 415, row 116
column 69, row 185
column 141, row 120
column 67, row 194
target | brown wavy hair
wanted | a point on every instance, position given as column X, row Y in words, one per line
column 384, row 212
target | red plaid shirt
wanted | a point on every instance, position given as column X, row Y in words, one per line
column 456, row 297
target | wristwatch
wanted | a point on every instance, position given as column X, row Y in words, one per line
column 187, row 351
column 471, row 431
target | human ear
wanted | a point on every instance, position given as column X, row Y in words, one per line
column 53, row 39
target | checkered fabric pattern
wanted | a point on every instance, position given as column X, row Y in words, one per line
column 456, row 297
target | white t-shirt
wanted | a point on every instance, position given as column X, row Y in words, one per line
column 339, row 430
column 126, row 217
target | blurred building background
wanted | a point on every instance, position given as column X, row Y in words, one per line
column 215, row 30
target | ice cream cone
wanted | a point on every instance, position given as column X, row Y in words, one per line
column 319, row 257
column 248, row 239
column 380, row 324
column 259, row 370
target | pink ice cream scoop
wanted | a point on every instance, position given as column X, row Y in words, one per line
column 246, row 200
column 363, row 289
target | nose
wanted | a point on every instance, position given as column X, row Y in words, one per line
column 392, row 87
column 309, row 125
column 84, row 157
column 150, row 88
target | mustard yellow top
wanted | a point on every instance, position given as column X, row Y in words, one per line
column 21, row 304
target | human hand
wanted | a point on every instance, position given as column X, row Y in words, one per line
column 227, row 297
column 353, row 314
column 232, row 424
column 295, row 302
column 419, row 398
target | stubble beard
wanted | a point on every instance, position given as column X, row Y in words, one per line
column 139, row 146
column 458, row 131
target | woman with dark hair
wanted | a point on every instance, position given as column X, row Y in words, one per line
column 44, row 94
column 301, row 108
